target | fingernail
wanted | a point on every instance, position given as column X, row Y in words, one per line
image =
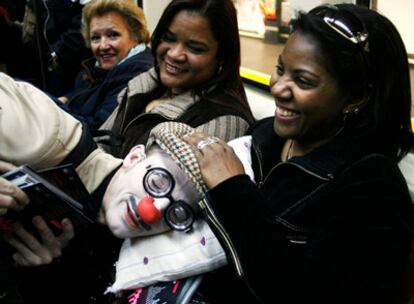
column 65, row 222
column 3, row 211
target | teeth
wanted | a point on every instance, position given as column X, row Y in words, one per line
column 284, row 113
column 172, row 69
column 106, row 56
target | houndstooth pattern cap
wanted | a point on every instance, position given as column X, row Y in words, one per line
column 168, row 136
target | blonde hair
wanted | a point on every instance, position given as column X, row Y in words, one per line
column 131, row 12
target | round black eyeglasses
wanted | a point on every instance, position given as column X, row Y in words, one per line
column 159, row 183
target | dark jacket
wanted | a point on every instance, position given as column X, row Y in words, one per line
column 60, row 23
column 52, row 59
column 95, row 93
column 328, row 227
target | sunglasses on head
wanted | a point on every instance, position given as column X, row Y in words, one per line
column 344, row 23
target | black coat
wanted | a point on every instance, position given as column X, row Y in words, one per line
column 60, row 22
column 328, row 227
column 95, row 94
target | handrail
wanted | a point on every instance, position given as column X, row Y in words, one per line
column 255, row 76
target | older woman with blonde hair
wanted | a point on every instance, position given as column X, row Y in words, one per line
column 132, row 14
column 117, row 34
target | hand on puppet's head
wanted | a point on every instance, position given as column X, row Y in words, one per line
column 149, row 194
column 157, row 192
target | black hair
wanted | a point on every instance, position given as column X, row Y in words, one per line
column 379, row 73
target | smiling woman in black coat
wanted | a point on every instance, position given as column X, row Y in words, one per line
column 329, row 218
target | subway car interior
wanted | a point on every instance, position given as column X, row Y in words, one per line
column 263, row 27
column 263, row 30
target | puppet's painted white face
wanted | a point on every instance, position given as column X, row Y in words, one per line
column 130, row 210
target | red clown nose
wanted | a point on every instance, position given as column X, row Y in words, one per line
column 147, row 211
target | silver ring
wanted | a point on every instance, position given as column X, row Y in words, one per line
column 210, row 140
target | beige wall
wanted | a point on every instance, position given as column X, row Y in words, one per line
column 400, row 12
column 306, row 5
column 153, row 10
